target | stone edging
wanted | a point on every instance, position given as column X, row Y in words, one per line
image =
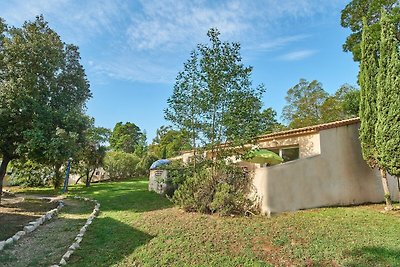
column 32, row 226
column 82, row 231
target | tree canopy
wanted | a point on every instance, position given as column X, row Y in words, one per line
column 213, row 97
column 309, row 104
column 352, row 18
column 43, row 93
column 126, row 137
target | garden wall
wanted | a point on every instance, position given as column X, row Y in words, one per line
column 337, row 176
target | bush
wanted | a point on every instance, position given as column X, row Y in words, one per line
column 120, row 165
column 29, row 173
column 216, row 188
column 143, row 167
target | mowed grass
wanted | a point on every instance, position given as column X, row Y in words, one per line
column 141, row 228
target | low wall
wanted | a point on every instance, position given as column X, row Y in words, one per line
column 338, row 176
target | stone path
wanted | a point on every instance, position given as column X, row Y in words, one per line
column 47, row 245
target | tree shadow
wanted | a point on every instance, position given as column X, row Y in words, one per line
column 10, row 223
column 374, row 256
column 108, row 242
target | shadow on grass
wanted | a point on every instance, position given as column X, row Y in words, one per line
column 374, row 256
column 127, row 195
column 108, row 242
column 10, row 223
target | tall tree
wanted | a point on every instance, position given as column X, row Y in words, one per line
column 184, row 106
column 352, row 18
column 213, row 97
column 304, row 102
column 387, row 130
column 369, row 68
column 126, row 137
column 43, row 91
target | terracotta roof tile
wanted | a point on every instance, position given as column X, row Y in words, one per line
column 309, row 129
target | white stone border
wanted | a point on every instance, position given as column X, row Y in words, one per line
column 32, row 226
column 82, row 231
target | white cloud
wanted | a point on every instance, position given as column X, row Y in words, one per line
column 137, row 40
column 297, row 55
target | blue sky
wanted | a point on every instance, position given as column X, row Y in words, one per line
column 133, row 50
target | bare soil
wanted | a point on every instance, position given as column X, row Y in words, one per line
column 46, row 245
column 18, row 211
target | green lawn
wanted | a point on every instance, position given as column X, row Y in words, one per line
column 141, row 228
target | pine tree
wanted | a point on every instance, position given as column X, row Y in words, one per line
column 387, row 131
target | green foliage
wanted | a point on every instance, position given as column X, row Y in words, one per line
column 304, row 102
column 92, row 152
column 224, row 190
column 29, row 173
column 352, row 18
column 368, row 91
column 213, row 98
column 43, row 92
column 120, row 165
column 387, row 129
column 169, row 143
column 309, row 104
column 126, row 137
column 143, row 166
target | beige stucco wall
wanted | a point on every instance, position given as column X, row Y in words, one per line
column 309, row 144
column 337, row 176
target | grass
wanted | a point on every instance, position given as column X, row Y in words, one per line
column 15, row 213
column 46, row 245
column 141, row 228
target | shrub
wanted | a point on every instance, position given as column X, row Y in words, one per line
column 120, row 165
column 216, row 188
column 143, row 167
column 29, row 173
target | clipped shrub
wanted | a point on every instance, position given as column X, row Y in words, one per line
column 120, row 165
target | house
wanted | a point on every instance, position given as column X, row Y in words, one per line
column 323, row 167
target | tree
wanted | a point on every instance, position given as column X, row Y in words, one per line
column 304, row 102
column 184, row 106
column 169, row 143
column 350, row 98
column 213, row 98
column 352, row 18
column 126, row 137
column 387, row 127
column 93, row 151
column 309, row 104
column 43, row 91
column 268, row 122
column 120, row 165
column 369, row 68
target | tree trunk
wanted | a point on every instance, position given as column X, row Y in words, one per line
column 57, row 177
column 3, row 169
column 398, row 186
column 386, row 190
column 89, row 179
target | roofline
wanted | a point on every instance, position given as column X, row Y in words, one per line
column 299, row 131
column 308, row 129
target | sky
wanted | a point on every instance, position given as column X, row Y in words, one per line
column 132, row 50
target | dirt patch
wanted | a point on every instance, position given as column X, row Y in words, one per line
column 16, row 212
column 49, row 242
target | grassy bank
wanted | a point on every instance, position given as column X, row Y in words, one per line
column 141, row 228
